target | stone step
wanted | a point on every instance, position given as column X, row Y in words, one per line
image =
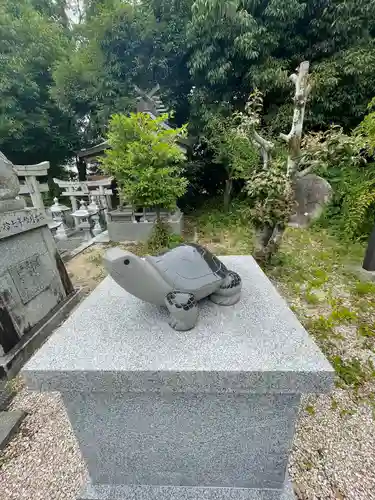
column 6, row 394
column 143, row 492
column 9, row 424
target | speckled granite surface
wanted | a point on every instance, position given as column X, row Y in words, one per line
column 204, row 414
column 115, row 342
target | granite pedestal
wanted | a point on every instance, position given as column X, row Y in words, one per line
column 204, row 414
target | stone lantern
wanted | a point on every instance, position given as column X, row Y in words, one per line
column 83, row 219
column 94, row 210
column 58, row 216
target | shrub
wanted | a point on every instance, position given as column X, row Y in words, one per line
column 145, row 159
column 270, row 195
column 232, row 147
column 162, row 239
column 341, row 159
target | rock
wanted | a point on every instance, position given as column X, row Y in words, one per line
column 312, row 193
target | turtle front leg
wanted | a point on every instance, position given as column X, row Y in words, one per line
column 184, row 310
column 230, row 290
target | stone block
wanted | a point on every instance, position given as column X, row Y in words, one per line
column 21, row 247
column 185, row 440
column 9, row 424
column 30, row 283
column 204, row 414
column 18, row 220
column 13, row 361
column 120, row 492
column 120, row 228
column 126, row 345
column 33, row 281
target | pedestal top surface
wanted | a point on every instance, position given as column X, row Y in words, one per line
column 114, row 341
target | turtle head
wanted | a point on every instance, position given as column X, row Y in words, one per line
column 135, row 275
column 124, row 267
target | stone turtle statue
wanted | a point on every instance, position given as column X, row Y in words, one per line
column 178, row 279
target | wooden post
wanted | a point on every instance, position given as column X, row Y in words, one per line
column 369, row 261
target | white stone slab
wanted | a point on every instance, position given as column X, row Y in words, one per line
column 114, row 342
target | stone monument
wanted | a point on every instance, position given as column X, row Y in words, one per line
column 312, row 193
column 34, row 284
column 207, row 414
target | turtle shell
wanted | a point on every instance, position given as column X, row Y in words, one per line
column 189, row 267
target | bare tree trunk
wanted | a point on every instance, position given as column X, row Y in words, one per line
column 293, row 139
column 269, row 238
column 227, row 194
column 158, row 218
column 265, row 148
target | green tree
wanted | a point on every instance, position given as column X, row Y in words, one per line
column 32, row 127
column 208, row 55
column 176, row 83
column 97, row 78
column 241, row 44
column 366, row 129
column 145, row 159
column 54, row 9
column 231, row 148
column 122, row 45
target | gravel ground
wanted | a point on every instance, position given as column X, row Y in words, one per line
column 43, row 461
column 333, row 455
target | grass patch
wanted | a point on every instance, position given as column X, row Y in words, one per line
column 310, row 409
column 320, row 327
column 343, row 315
column 362, row 288
column 224, row 233
column 367, row 331
column 352, row 372
column 311, row 298
column 320, row 277
column 334, row 404
column 95, row 258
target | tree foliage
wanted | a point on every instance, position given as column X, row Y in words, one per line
column 342, row 159
column 123, row 44
column 270, row 195
column 145, row 160
column 207, row 55
column 238, row 45
column 32, row 127
column 231, row 148
column 366, row 129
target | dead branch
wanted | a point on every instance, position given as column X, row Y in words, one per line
column 293, row 139
column 265, row 147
